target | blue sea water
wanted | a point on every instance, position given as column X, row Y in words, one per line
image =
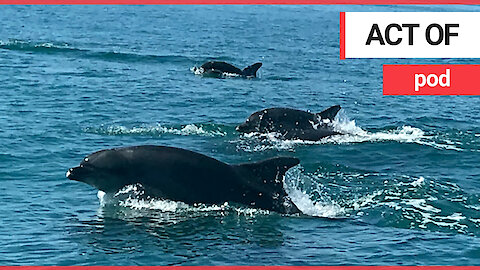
column 401, row 187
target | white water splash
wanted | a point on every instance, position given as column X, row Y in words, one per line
column 101, row 197
column 28, row 44
column 365, row 201
column 201, row 71
column 323, row 206
column 415, row 183
column 405, row 198
column 408, row 198
column 354, row 134
column 133, row 197
column 327, row 209
column 350, row 133
column 226, row 74
column 419, row 182
column 442, row 146
column 197, row 70
column 186, row 130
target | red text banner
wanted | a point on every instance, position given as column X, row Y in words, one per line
column 431, row 80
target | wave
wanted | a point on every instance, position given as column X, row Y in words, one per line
column 314, row 202
column 409, row 202
column 133, row 197
column 284, row 78
column 69, row 51
column 355, row 134
column 418, row 205
column 208, row 130
column 351, row 133
column 456, row 140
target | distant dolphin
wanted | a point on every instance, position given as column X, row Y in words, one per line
column 182, row 175
column 217, row 68
column 292, row 123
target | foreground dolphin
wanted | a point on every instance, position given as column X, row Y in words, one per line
column 182, row 175
column 291, row 123
column 217, row 68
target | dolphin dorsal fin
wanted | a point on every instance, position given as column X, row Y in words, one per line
column 251, row 70
column 266, row 178
column 330, row 113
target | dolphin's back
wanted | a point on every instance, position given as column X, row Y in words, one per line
column 180, row 174
column 221, row 67
column 288, row 122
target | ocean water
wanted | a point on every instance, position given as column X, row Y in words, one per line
column 401, row 187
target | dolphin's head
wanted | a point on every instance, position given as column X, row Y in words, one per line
column 104, row 170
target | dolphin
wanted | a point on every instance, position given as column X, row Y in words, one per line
column 217, row 68
column 182, row 175
column 292, row 123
